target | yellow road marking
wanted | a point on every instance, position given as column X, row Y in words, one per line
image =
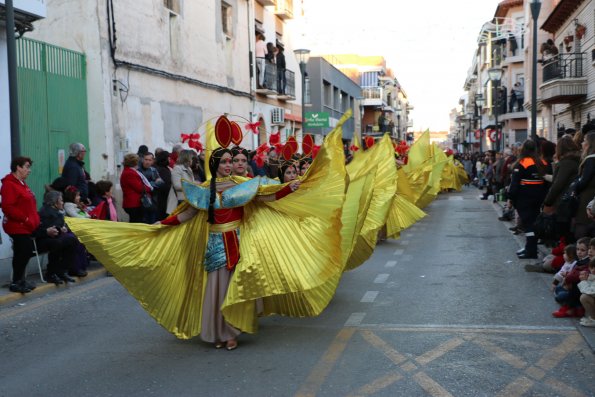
column 439, row 351
column 553, row 356
column 563, row 389
column 430, row 386
column 501, row 353
column 518, row 387
column 377, row 385
column 384, row 347
column 324, row 366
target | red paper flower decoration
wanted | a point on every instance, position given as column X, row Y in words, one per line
column 353, row 148
column 275, row 139
column 253, row 127
column 369, row 140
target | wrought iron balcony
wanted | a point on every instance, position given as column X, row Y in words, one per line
column 286, row 85
column 269, row 87
column 564, row 79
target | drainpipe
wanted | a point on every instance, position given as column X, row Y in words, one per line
column 15, row 138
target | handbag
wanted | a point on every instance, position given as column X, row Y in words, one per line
column 566, row 209
column 172, row 201
column 545, row 226
column 147, row 201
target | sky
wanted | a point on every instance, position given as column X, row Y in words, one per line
column 429, row 44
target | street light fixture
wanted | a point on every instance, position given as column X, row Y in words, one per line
column 479, row 102
column 495, row 75
column 535, row 8
column 303, row 55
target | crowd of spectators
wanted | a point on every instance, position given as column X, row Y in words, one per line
column 545, row 183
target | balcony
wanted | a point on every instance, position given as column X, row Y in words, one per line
column 286, row 86
column 269, row 86
column 564, row 80
column 284, row 9
column 373, row 96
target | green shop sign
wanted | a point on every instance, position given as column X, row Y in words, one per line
column 317, row 120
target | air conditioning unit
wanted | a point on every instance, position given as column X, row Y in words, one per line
column 278, row 116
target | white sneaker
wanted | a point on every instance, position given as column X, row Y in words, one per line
column 588, row 323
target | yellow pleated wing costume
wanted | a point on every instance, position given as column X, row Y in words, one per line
column 369, row 198
column 290, row 254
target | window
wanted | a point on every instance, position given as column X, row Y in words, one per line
column 226, row 24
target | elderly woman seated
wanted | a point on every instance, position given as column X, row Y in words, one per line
column 54, row 237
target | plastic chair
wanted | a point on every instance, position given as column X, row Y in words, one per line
column 37, row 255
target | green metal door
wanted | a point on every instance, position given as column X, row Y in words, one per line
column 52, row 107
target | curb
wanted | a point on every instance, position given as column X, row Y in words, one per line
column 44, row 288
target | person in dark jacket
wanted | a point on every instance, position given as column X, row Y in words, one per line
column 565, row 171
column 52, row 235
column 145, row 167
column 20, row 220
column 162, row 166
column 527, row 191
column 74, row 172
column 280, row 60
column 584, row 188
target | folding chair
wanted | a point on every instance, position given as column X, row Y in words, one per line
column 37, row 255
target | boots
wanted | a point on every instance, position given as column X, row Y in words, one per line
column 530, row 248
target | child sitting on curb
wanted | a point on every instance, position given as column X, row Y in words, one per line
column 552, row 262
column 568, row 294
column 587, row 299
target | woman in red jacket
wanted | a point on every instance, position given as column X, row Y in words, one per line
column 20, row 220
column 134, row 185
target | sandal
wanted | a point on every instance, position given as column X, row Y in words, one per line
column 231, row 344
column 218, row 345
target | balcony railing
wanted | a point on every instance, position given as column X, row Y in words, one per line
column 286, row 85
column 269, row 85
column 564, row 66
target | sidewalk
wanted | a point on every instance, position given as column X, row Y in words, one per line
column 587, row 333
column 95, row 270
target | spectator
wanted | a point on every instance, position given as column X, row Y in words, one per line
column 587, row 299
column 272, row 164
column 527, row 191
column 150, row 173
column 260, row 52
column 134, row 186
column 584, row 188
column 182, row 171
column 72, row 203
column 568, row 294
column 162, row 166
column 20, row 220
column 74, row 172
column 53, row 236
column 106, row 209
column 142, row 150
column 565, row 172
column 173, row 157
column 281, row 65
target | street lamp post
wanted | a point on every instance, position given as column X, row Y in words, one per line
column 302, row 56
column 535, row 8
column 495, row 76
column 479, row 102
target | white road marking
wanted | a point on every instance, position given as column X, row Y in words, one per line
column 381, row 278
column 355, row 319
column 455, row 198
column 398, row 251
column 369, row 297
column 391, row 264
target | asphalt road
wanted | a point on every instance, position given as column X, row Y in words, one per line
column 447, row 310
